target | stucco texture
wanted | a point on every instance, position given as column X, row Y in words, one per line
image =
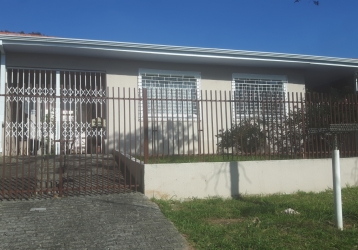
column 228, row 179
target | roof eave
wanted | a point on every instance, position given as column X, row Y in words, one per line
column 176, row 51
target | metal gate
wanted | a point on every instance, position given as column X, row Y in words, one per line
column 54, row 136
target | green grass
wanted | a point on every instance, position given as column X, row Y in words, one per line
column 257, row 222
column 209, row 158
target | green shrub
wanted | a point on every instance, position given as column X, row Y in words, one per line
column 246, row 137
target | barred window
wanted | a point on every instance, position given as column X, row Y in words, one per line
column 258, row 94
column 172, row 94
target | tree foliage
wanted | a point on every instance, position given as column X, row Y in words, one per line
column 24, row 33
column 313, row 1
column 245, row 136
column 289, row 133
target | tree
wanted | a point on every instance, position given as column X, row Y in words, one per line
column 314, row 2
column 24, row 33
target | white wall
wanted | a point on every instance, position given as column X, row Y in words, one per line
column 228, row 179
column 124, row 74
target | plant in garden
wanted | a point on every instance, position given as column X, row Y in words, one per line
column 289, row 134
column 245, row 136
column 286, row 132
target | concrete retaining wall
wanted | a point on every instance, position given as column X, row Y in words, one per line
column 131, row 168
column 228, row 179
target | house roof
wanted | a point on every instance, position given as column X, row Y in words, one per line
column 314, row 66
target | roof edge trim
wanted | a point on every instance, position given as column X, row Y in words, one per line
column 176, row 50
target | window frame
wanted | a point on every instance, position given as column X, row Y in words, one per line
column 239, row 115
column 168, row 115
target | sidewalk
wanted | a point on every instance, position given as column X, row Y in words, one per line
column 116, row 221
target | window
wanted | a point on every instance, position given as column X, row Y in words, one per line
column 258, row 94
column 172, row 94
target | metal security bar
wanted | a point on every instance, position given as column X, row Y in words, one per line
column 170, row 86
column 55, row 136
column 266, row 133
column 74, row 136
column 255, row 90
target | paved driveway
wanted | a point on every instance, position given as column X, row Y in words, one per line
column 116, row 221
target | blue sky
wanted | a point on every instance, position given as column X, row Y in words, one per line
column 330, row 29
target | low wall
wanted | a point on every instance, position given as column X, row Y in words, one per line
column 132, row 168
column 229, row 179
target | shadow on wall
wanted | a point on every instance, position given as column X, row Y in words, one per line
column 173, row 138
column 234, row 179
column 228, row 174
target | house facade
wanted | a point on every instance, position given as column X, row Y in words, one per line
column 60, row 73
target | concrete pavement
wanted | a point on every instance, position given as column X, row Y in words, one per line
column 115, row 221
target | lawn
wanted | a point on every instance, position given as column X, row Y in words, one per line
column 258, row 222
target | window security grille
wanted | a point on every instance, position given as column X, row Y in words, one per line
column 258, row 96
column 31, row 105
column 171, row 94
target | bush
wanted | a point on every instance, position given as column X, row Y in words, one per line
column 246, row 137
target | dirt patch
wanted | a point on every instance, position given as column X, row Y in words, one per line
column 225, row 221
column 189, row 245
column 347, row 226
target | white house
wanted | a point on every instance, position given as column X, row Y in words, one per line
column 43, row 65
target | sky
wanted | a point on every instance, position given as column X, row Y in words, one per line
column 330, row 29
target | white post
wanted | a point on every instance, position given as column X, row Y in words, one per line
column 58, row 113
column 2, row 99
column 336, row 172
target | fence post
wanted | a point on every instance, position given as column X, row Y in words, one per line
column 60, row 148
column 198, row 125
column 145, row 125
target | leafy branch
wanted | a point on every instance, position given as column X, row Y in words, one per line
column 314, row 2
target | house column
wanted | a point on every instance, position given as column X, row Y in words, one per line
column 2, row 91
column 58, row 114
